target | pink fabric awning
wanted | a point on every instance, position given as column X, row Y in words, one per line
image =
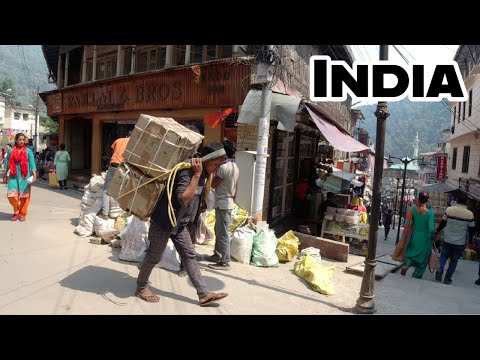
column 334, row 136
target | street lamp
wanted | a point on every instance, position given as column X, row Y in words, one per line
column 405, row 162
column 365, row 302
column 395, row 206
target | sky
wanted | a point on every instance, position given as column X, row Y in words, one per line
column 424, row 53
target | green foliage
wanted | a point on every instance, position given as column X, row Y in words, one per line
column 7, row 87
column 50, row 126
column 406, row 118
column 27, row 69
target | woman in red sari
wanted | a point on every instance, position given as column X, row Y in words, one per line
column 19, row 167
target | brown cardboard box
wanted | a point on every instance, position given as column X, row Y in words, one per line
column 140, row 202
column 158, row 144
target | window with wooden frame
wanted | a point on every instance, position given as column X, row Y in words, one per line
column 466, row 159
column 454, row 158
column 211, row 52
column 150, row 59
column 283, row 181
column 197, row 54
column 179, row 52
column 225, row 51
column 106, row 67
column 470, row 100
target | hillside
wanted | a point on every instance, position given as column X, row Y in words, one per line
column 26, row 66
column 406, row 118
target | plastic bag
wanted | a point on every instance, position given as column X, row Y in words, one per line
column 318, row 276
column 263, row 250
column 242, row 244
column 52, row 180
column 287, row 247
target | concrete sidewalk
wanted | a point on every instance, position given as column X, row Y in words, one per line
column 46, row 269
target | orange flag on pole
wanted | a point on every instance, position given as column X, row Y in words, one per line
column 214, row 119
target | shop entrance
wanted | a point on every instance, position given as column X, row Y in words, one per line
column 78, row 135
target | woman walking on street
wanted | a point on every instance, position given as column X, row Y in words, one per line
column 420, row 246
column 19, row 166
column 61, row 161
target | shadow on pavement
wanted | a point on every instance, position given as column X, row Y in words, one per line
column 100, row 280
column 69, row 192
column 274, row 288
column 5, row 216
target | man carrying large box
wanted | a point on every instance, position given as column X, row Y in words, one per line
column 185, row 186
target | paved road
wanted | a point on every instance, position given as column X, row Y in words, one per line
column 46, row 269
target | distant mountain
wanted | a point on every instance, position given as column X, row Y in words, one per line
column 26, row 66
column 406, row 118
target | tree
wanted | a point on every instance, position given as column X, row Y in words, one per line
column 50, row 126
column 7, row 87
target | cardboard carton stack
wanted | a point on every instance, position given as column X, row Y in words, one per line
column 155, row 146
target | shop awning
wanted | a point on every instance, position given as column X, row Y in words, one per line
column 284, row 109
column 333, row 135
column 439, row 187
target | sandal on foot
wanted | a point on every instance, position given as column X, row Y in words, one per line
column 212, row 297
column 151, row 298
column 14, row 218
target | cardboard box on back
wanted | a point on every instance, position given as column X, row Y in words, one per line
column 158, row 144
column 140, row 202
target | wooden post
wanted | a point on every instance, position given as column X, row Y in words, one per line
column 119, row 61
column 188, row 53
column 134, row 57
column 94, row 70
column 59, row 72
column 169, row 56
column 67, row 58
column 84, row 64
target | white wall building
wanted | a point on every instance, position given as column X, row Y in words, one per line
column 464, row 153
column 15, row 118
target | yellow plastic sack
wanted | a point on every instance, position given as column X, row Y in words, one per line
column 363, row 217
column 52, row 180
column 318, row 276
column 239, row 217
column 287, row 247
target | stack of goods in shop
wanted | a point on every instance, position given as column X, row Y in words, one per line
column 155, row 147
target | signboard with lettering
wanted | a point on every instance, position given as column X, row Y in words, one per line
column 441, row 167
column 219, row 85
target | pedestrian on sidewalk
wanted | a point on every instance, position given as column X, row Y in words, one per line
column 184, row 188
column 459, row 226
column 387, row 222
column 225, row 184
column 118, row 148
column 19, row 166
column 62, row 158
column 420, row 245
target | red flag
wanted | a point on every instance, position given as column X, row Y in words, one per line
column 214, row 119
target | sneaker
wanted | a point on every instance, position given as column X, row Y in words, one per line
column 14, row 218
column 447, row 281
column 21, row 217
column 404, row 270
column 212, row 258
column 477, row 282
column 219, row 266
column 438, row 275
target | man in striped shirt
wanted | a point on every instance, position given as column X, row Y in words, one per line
column 459, row 226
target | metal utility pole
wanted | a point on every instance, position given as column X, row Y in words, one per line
column 395, row 207
column 405, row 162
column 365, row 302
column 36, row 139
column 262, row 139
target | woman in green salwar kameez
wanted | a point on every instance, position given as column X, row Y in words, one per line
column 420, row 245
